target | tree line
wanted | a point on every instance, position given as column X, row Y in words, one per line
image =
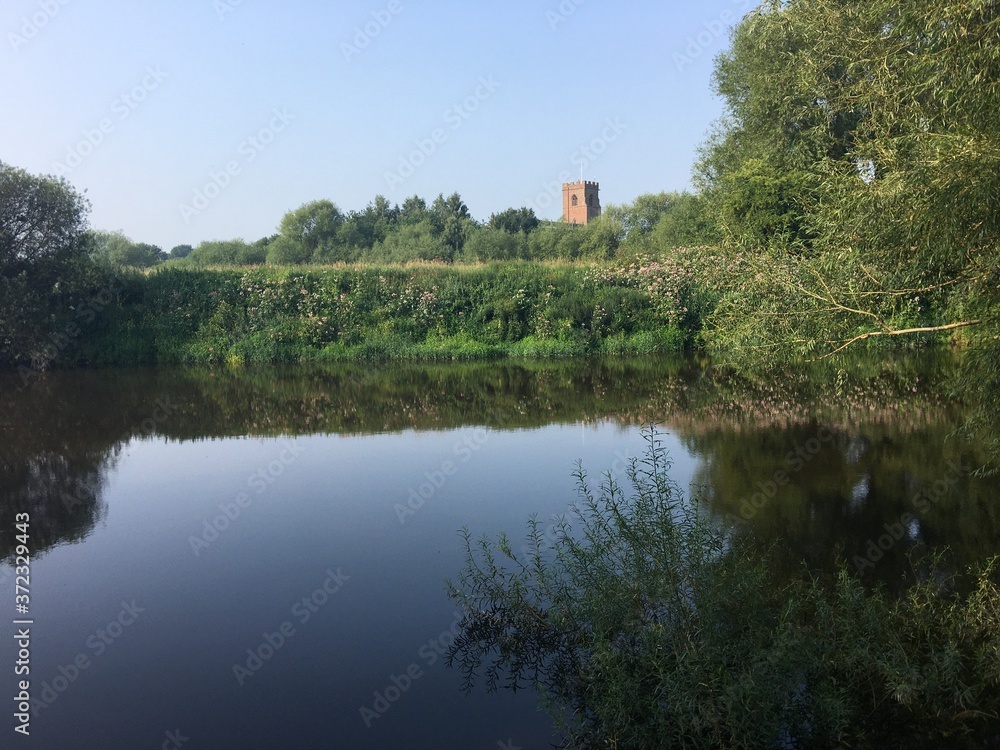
column 319, row 232
column 848, row 194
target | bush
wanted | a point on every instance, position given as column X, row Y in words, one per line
column 227, row 253
column 644, row 626
column 183, row 314
column 412, row 242
column 485, row 244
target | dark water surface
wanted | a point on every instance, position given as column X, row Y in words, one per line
column 256, row 558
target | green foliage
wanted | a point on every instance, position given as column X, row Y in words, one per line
column 228, row 253
column 644, row 626
column 306, row 232
column 855, row 175
column 413, row 210
column 288, row 252
column 450, row 220
column 319, row 234
column 642, row 215
column 42, row 220
column 515, row 221
column 46, row 269
column 761, row 204
column 554, row 241
column 687, row 222
column 116, row 250
column 602, row 238
column 144, row 255
column 419, row 241
column 489, row 243
column 180, row 314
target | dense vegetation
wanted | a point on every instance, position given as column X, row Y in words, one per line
column 854, row 183
column 848, row 196
column 846, row 200
column 104, row 306
column 376, row 312
column 858, row 168
column 644, row 626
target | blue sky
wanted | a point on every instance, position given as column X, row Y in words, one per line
column 209, row 119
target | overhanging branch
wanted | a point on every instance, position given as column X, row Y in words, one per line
column 900, row 332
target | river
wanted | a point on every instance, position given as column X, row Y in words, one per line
column 256, row 558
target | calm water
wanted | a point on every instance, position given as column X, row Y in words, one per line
column 256, row 559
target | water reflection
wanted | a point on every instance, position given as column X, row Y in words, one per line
column 828, row 464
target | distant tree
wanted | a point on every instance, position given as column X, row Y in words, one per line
column 181, row 251
column 688, row 221
column 451, row 220
column 229, row 253
column 413, row 242
column 381, row 216
column 640, row 216
column 143, row 255
column 413, row 210
column 310, row 228
column 354, row 239
column 483, row 243
column 260, row 247
column 515, row 220
column 117, row 250
column 108, row 248
column 451, row 207
column 285, row 251
column 601, row 238
column 556, row 240
column 362, row 229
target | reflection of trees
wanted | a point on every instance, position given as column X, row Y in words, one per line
column 360, row 399
column 62, row 496
column 61, row 435
column 891, row 434
column 889, row 440
column 63, row 431
column 846, row 495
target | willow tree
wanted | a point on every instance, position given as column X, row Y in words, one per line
column 858, row 172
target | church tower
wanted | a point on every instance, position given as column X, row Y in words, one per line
column 581, row 202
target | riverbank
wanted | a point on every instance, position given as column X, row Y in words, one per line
column 421, row 312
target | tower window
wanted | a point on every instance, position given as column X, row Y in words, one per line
column 576, row 200
column 590, row 199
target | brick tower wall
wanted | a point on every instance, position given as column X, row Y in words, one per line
column 588, row 202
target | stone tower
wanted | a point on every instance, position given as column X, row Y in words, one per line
column 581, row 202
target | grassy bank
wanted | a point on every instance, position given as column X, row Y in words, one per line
column 426, row 311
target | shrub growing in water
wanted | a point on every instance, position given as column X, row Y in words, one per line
column 644, row 626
